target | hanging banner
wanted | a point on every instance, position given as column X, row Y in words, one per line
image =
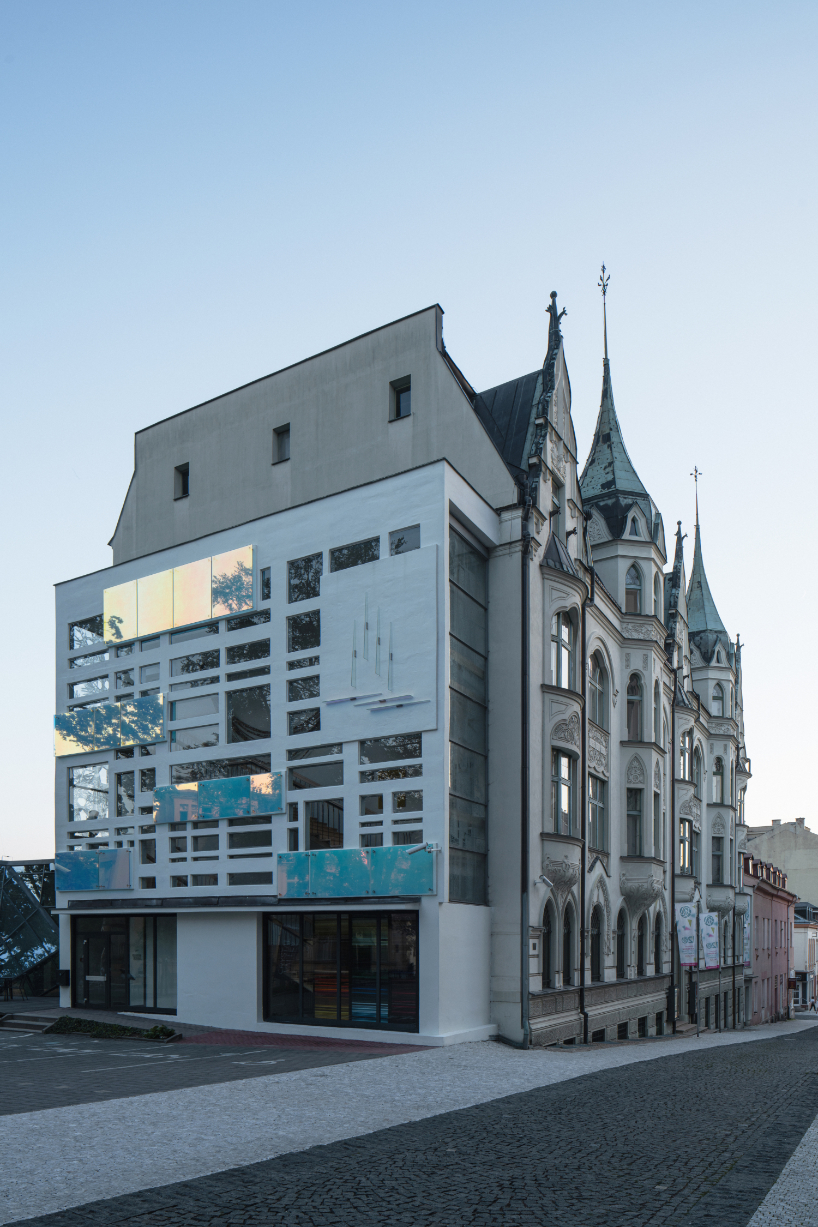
column 747, row 959
column 686, row 929
column 709, row 929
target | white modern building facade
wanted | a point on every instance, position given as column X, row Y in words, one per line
column 385, row 719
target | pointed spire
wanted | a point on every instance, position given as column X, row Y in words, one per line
column 702, row 614
column 608, row 470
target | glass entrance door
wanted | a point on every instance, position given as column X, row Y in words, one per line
column 101, row 963
column 125, row 963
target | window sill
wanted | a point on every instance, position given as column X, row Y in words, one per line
column 283, row 460
column 180, row 498
column 647, row 745
column 403, row 418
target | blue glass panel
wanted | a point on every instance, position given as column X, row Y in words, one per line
column 293, row 875
column 396, row 872
column 114, row 869
column 228, row 798
column 76, row 871
column 339, row 872
column 74, row 732
column 176, row 803
column 106, row 727
column 143, row 720
column 267, row 793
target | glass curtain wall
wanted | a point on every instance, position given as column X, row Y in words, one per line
column 343, row 969
column 467, row 722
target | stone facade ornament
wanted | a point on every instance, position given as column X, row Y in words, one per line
column 718, row 825
column 627, row 660
column 561, row 874
column 567, row 731
column 598, row 751
column 636, row 772
column 640, row 890
column 645, row 661
column 657, row 777
column 596, row 531
column 691, row 808
column 638, row 630
column 599, row 895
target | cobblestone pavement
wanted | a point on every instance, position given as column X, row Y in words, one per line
column 793, row 1199
column 687, row 1134
column 38, row 1072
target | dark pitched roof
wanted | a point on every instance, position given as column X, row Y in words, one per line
column 609, row 481
column 702, row 614
column 506, row 413
column 556, row 555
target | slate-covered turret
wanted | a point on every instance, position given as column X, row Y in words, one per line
column 705, row 628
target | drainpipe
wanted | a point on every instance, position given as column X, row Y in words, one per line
column 674, row 943
column 525, row 546
column 583, row 932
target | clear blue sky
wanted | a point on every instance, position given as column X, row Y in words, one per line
column 195, row 194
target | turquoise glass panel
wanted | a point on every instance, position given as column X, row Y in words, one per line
column 293, row 875
column 340, row 872
column 106, row 727
column 74, row 732
column 114, row 869
column 395, row 872
column 267, row 793
column 76, row 870
column 225, row 798
column 143, row 720
column 176, row 803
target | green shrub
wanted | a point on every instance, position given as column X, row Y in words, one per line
column 67, row 1024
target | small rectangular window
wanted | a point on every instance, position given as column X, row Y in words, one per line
column 244, row 621
column 198, row 738
column 91, row 685
column 634, row 819
column 125, row 649
column 147, row 851
column 400, row 398
column 199, row 705
column 238, row 653
column 390, row 773
column 306, row 662
column 304, row 578
column 390, row 749
column 241, row 674
column 194, row 663
column 147, row 883
column 281, row 443
column 407, row 837
column 326, row 751
column 292, row 839
column 143, row 694
column 195, row 632
column 266, row 589
column 82, row 662
column 250, row 839
column 86, row 633
column 371, row 839
column 181, row 481
column 355, row 555
column 409, row 801
column 125, row 794
column 148, row 673
column 404, row 539
column 324, row 824
column 205, row 879
column 250, row 879
column 299, row 688
column 178, row 843
column 259, row 820
column 248, row 714
column 372, row 803
column 205, row 843
column 308, row 720
column 199, row 681
column 304, row 631
column 149, row 645
column 124, row 678
column 178, row 880
column 147, row 779
column 321, row 775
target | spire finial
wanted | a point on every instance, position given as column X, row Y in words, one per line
column 603, row 285
column 696, row 474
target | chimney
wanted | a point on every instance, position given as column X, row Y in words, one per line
column 776, row 822
column 799, row 822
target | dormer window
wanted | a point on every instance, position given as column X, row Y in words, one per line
column 634, row 529
column 633, row 591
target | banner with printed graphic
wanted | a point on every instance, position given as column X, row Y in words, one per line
column 709, row 930
column 747, row 958
column 686, row 929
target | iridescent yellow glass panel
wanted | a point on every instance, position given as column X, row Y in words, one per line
column 232, row 581
column 191, row 592
column 119, row 612
column 154, row 603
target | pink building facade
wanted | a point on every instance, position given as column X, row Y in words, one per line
column 772, row 953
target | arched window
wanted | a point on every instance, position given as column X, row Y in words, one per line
column 657, row 945
column 697, row 772
column 718, row 657
column 562, row 651
column 718, row 782
column 657, row 597
column 633, row 591
column 657, row 713
column 717, row 706
column 640, row 947
column 598, row 686
column 634, row 708
column 621, row 931
column 634, row 528
column 596, row 944
column 547, row 947
column 567, row 945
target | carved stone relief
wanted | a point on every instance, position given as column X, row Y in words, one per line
column 596, row 531
column 691, row 808
column 638, row 630
column 640, row 892
column 645, row 661
column 627, row 660
column 567, row 731
column 598, row 751
column 599, row 895
column 657, row 777
column 636, row 772
column 562, row 875
column 718, row 825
